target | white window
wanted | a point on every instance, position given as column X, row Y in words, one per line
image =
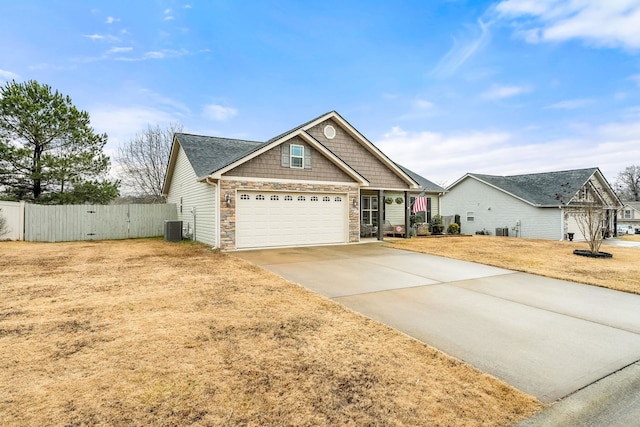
column 314, row 198
column 369, row 210
column 301, row 198
column 259, row 197
column 471, row 216
column 244, row 197
column 338, row 199
column 274, row 197
column 288, row 197
column 627, row 214
column 326, row 199
column 296, row 159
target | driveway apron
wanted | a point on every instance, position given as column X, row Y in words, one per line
column 546, row 337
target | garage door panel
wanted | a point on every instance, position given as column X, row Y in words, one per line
column 266, row 219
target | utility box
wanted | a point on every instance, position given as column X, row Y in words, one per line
column 502, row 231
column 172, row 231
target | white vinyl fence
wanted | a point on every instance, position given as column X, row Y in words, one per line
column 13, row 213
column 95, row 222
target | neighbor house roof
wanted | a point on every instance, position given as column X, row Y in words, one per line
column 425, row 184
column 539, row 189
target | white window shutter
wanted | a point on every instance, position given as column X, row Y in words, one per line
column 285, row 155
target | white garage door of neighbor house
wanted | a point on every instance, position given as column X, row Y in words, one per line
column 265, row 219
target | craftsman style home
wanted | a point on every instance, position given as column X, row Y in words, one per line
column 322, row 182
column 537, row 206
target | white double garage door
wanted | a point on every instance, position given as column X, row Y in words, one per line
column 269, row 219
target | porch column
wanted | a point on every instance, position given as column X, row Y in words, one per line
column 407, row 214
column 380, row 215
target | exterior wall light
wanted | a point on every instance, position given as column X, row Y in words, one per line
column 227, row 199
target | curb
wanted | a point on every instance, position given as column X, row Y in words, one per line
column 610, row 401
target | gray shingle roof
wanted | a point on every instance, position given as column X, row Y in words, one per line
column 208, row 154
column 541, row 189
column 425, row 184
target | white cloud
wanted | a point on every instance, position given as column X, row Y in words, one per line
column 598, row 23
column 504, row 91
column 105, row 37
column 111, row 20
column 8, row 75
column 461, row 52
column 218, row 112
column 571, row 104
column 119, row 50
column 167, row 15
column 423, row 104
column 445, row 157
column 187, row 6
column 122, row 123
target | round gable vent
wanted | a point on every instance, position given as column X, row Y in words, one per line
column 329, row 132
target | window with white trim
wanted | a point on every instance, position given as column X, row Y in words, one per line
column 369, row 210
column 471, row 216
column 301, row 198
column 296, row 156
column 244, row 197
column 314, row 198
column 627, row 214
column 274, row 197
column 288, row 197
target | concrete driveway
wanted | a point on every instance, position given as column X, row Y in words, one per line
column 546, row 337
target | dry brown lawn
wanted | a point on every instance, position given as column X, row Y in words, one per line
column 144, row 332
column 544, row 257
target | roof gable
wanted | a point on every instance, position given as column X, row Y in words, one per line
column 214, row 156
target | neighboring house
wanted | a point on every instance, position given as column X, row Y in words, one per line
column 538, row 206
column 318, row 183
column 629, row 217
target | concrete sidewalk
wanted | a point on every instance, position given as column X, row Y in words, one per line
column 546, row 337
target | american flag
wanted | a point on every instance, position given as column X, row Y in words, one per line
column 420, row 205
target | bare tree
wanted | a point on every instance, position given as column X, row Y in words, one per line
column 143, row 161
column 590, row 217
column 628, row 184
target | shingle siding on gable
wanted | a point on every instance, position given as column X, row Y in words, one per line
column 269, row 165
column 202, row 196
column 356, row 156
column 493, row 208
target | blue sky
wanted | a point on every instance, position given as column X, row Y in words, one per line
column 442, row 87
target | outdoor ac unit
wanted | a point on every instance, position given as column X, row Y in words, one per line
column 502, row 231
column 172, row 231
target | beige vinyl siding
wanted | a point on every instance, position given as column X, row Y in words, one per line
column 188, row 193
column 493, row 208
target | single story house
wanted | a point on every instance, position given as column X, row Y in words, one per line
column 629, row 217
column 537, row 206
column 321, row 182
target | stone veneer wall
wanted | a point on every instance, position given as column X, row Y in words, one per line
column 228, row 213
